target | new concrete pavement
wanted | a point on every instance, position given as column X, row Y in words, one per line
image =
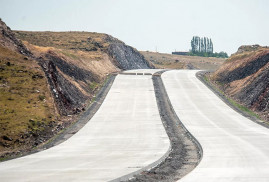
column 125, row 135
column 234, row 148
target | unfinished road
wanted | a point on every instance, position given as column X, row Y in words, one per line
column 234, row 147
column 124, row 136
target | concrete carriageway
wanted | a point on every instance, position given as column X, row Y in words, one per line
column 235, row 149
column 125, row 135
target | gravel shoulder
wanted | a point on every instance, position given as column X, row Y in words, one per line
column 185, row 153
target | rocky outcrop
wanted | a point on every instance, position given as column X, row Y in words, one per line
column 248, row 67
column 248, row 48
column 9, row 40
column 64, row 79
column 71, row 75
column 69, row 80
column 126, row 57
column 123, row 56
column 256, row 93
column 245, row 77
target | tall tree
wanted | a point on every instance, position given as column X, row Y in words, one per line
column 201, row 44
column 192, row 45
column 205, row 44
column 211, row 46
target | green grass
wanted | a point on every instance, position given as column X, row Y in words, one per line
column 242, row 108
column 3, row 158
column 93, row 85
column 205, row 79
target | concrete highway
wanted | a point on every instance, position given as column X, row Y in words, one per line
column 125, row 135
column 235, row 149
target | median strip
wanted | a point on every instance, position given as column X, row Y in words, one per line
column 185, row 153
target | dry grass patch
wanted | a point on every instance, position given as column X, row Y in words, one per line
column 161, row 60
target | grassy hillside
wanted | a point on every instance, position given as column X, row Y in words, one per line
column 66, row 40
column 160, row 60
column 26, row 105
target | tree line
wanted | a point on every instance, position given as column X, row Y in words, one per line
column 203, row 46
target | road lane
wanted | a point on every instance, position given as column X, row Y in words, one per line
column 234, row 148
column 125, row 135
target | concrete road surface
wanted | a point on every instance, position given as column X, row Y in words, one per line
column 143, row 71
column 234, row 148
column 125, row 135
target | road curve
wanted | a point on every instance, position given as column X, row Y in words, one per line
column 234, row 148
column 125, row 135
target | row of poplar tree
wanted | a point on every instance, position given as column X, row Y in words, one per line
column 201, row 44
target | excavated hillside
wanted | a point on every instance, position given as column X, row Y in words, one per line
column 245, row 77
column 48, row 78
column 95, row 44
column 77, row 62
column 28, row 115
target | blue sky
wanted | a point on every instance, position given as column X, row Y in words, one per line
column 147, row 24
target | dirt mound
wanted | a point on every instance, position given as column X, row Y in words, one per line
column 245, row 77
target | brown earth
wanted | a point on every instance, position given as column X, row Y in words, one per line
column 245, row 78
column 171, row 61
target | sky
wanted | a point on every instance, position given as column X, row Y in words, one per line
column 148, row 25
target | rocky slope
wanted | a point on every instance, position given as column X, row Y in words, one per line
column 77, row 62
column 245, row 77
column 48, row 78
column 122, row 55
column 28, row 115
